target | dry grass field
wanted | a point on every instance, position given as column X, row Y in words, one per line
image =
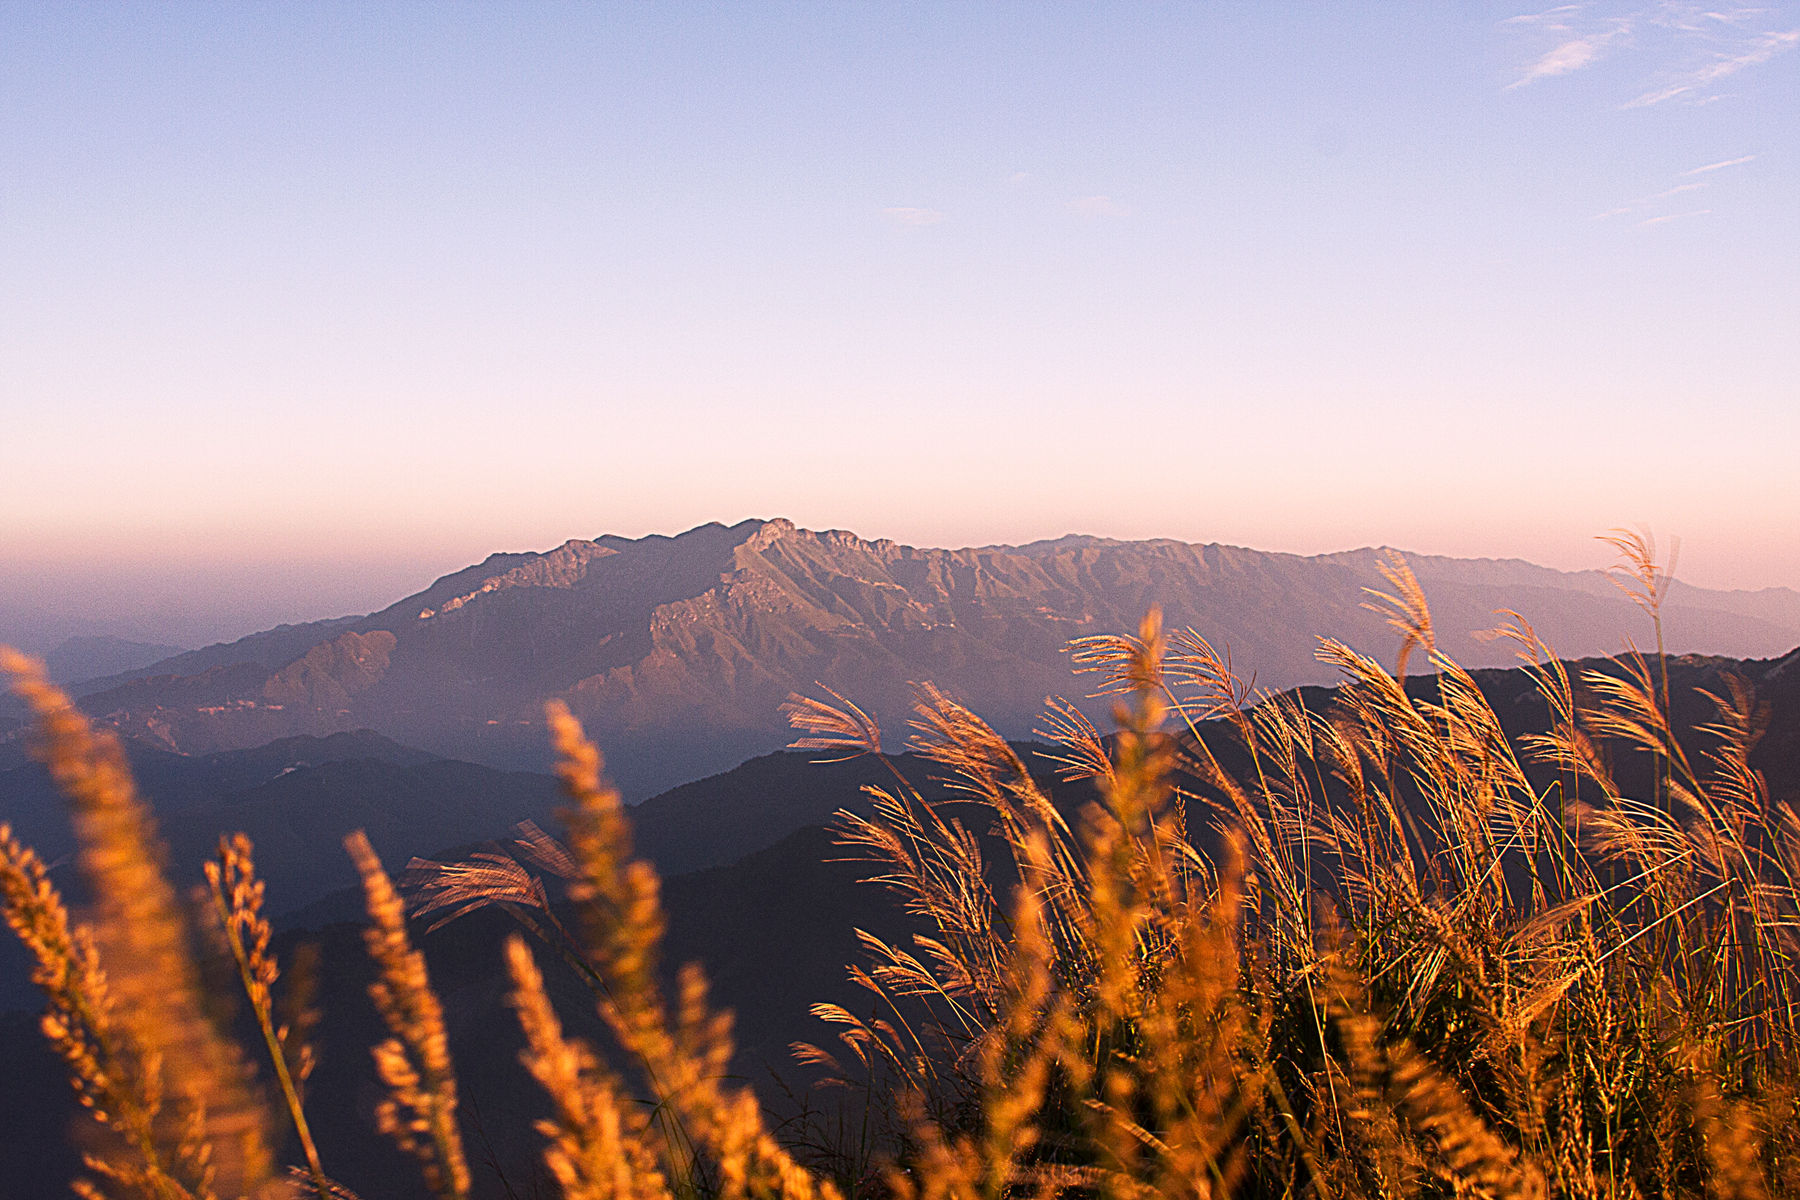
column 1408, row 955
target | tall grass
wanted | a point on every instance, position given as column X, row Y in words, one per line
column 1379, row 948
column 1456, row 964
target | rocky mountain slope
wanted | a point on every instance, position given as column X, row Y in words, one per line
column 677, row 651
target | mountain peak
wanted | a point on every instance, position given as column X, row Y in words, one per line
column 770, row 532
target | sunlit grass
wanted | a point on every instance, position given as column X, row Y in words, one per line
column 1389, row 950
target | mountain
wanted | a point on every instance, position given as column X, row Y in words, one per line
column 297, row 798
column 270, row 649
column 678, row 651
column 82, row 658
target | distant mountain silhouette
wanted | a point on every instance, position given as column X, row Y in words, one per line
column 677, row 651
column 297, row 798
column 271, row 648
column 79, row 659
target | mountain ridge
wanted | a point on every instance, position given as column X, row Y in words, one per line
column 678, row 650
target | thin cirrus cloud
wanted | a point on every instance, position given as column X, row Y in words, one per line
column 1761, row 49
column 1720, row 166
column 1689, row 48
column 1644, row 202
column 903, row 215
column 1099, row 206
column 1574, row 49
column 1679, row 189
column 1651, row 222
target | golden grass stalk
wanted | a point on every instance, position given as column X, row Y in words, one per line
column 1404, row 608
column 105, row 1067
column 597, row 1150
column 685, row 1052
column 1638, row 574
column 1083, row 754
column 841, row 728
column 419, row 1112
column 1392, row 1078
column 199, row 1115
column 237, row 899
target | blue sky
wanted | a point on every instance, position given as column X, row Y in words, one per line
column 317, row 301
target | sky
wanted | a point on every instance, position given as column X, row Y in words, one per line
column 302, row 305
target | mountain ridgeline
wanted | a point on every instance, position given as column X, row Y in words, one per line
column 678, row 651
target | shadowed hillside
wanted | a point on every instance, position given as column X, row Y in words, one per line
column 754, row 889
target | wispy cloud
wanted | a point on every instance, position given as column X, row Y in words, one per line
column 1648, row 222
column 1767, row 46
column 1720, row 166
column 1674, row 191
column 1759, row 49
column 912, row 216
column 1099, row 206
column 1687, row 47
column 1643, row 202
column 1575, row 47
column 1658, row 96
column 1653, row 200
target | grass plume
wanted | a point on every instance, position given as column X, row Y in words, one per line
column 419, row 1112
column 130, row 998
column 237, row 900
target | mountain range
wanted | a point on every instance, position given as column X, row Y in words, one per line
column 677, row 652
